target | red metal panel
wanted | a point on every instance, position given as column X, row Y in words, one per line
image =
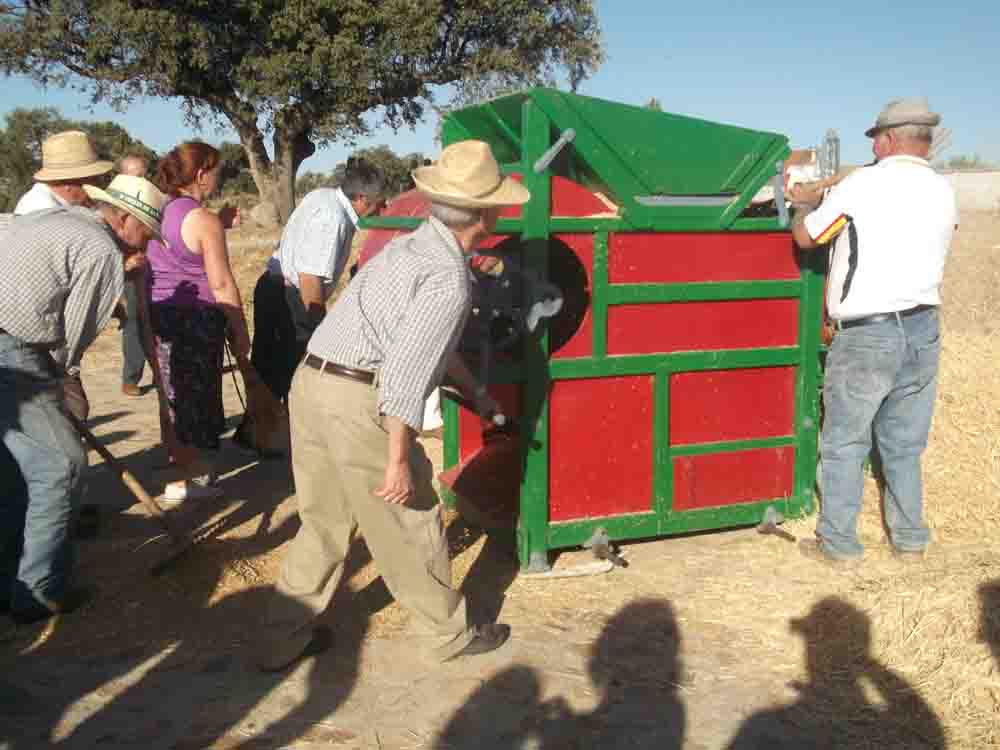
column 730, row 478
column 601, row 447
column 672, row 257
column 410, row 203
column 693, row 326
column 707, row 407
column 571, row 199
column 470, row 427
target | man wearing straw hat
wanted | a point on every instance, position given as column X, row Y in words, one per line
column 891, row 225
column 356, row 406
column 69, row 162
column 63, row 276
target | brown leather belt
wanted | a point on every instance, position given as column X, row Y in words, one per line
column 332, row 368
column 881, row 317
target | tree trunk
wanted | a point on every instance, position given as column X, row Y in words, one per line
column 275, row 178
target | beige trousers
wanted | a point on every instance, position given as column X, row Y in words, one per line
column 339, row 453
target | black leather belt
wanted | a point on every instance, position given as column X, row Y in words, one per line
column 881, row 317
column 331, row 368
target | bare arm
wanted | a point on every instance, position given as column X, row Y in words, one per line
column 397, row 487
column 202, row 231
column 801, row 234
column 311, row 289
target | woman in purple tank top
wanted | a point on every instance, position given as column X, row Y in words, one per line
column 195, row 306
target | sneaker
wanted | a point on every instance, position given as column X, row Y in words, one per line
column 131, row 390
column 175, row 494
column 487, row 638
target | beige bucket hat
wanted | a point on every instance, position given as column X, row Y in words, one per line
column 467, row 176
column 911, row 111
column 70, row 156
column 137, row 195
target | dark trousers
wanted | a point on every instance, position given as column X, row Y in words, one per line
column 133, row 357
column 281, row 331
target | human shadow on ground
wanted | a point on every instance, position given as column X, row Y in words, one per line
column 833, row 710
column 492, row 572
column 190, row 678
column 634, row 666
column 989, row 617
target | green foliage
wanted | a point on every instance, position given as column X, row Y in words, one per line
column 236, row 176
column 395, row 169
column 309, row 181
column 304, row 72
column 21, row 147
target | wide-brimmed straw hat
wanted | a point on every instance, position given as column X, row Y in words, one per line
column 137, row 195
column 911, row 111
column 70, row 156
column 467, row 176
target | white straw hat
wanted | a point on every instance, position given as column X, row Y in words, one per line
column 70, row 156
column 137, row 195
column 467, row 176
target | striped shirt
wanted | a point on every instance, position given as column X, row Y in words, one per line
column 62, row 278
column 401, row 317
column 317, row 239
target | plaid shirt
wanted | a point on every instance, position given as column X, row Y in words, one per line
column 401, row 317
column 62, row 277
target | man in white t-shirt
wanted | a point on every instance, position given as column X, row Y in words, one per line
column 290, row 296
column 891, row 226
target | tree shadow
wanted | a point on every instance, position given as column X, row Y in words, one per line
column 834, row 709
column 635, row 667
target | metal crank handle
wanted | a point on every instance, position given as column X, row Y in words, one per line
column 497, row 418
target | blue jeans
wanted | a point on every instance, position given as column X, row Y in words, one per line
column 881, row 380
column 133, row 355
column 42, row 466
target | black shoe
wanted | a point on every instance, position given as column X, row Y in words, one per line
column 38, row 611
column 487, row 638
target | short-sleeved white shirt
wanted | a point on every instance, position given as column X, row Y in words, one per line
column 893, row 223
column 317, row 239
column 39, row 198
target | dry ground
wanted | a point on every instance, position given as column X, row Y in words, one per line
column 698, row 632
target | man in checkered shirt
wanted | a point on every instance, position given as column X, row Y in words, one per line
column 63, row 276
column 356, row 406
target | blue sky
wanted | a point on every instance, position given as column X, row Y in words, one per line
column 779, row 66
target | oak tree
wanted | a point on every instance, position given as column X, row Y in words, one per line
column 300, row 73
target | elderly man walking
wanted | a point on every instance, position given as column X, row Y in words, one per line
column 356, row 406
column 891, row 225
column 63, row 276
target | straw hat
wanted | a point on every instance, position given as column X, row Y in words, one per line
column 70, row 156
column 911, row 111
column 137, row 195
column 467, row 176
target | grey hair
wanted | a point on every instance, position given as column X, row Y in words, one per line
column 454, row 217
column 924, row 133
column 361, row 178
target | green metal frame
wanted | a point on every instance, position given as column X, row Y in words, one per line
column 541, row 115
